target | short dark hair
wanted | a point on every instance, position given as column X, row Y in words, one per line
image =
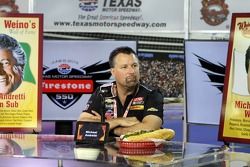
column 247, row 59
column 115, row 52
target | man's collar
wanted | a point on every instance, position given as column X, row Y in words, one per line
column 114, row 89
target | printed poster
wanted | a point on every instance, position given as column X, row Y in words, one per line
column 20, row 72
column 235, row 115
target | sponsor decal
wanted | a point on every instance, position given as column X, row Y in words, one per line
column 214, row 12
column 68, row 85
column 109, row 114
column 137, row 107
column 109, row 104
column 64, row 85
column 8, row 6
column 152, row 109
column 88, row 5
column 64, row 69
column 108, row 101
column 138, row 100
column 86, row 107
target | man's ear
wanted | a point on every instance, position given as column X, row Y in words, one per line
column 18, row 70
column 112, row 71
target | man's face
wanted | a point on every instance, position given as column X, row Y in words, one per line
column 10, row 75
column 248, row 79
column 126, row 70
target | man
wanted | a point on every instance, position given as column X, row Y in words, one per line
column 12, row 61
column 128, row 105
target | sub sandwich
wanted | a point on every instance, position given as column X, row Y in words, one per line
column 160, row 134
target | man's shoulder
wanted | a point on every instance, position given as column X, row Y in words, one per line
column 106, row 89
column 106, row 85
column 145, row 88
column 148, row 90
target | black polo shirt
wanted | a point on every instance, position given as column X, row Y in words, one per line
column 141, row 103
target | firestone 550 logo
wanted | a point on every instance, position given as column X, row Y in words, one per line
column 65, row 85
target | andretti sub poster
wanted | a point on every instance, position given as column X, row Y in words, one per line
column 20, row 72
column 235, row 115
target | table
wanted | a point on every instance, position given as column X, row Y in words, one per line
column 61, row 150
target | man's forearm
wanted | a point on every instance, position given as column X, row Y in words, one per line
column 113, row 123
column 84, row 116
column 123, row 130
column 148, row 123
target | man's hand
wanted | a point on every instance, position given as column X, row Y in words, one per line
column 128, row 121
column 124, row 122
column 96, row 115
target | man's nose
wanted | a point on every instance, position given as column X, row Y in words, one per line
column 2, row 72
column 131, row 70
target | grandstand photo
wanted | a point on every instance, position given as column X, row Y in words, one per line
column 165, row 72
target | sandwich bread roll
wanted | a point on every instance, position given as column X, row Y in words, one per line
column 164, row 134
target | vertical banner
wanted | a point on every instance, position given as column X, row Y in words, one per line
column 235, row 115
column 20, row 72
column 205, row 69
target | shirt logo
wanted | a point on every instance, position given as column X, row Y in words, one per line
column 108, row 101
column 137, row 101
column 109, row 114
column 137, row 107
column 152, row 109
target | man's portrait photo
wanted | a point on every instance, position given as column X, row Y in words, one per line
column 247, row 60
column 12, row 62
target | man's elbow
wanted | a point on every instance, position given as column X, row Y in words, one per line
column 84, row 116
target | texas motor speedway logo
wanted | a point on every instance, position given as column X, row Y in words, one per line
column 88, row 5
column 64, row 85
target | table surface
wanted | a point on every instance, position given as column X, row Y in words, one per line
column 60, row 150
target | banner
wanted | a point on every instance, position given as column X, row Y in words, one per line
column 72, row 69
column 20, row 72
column 235, row 115
column 205, row 69
column 112, row 16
